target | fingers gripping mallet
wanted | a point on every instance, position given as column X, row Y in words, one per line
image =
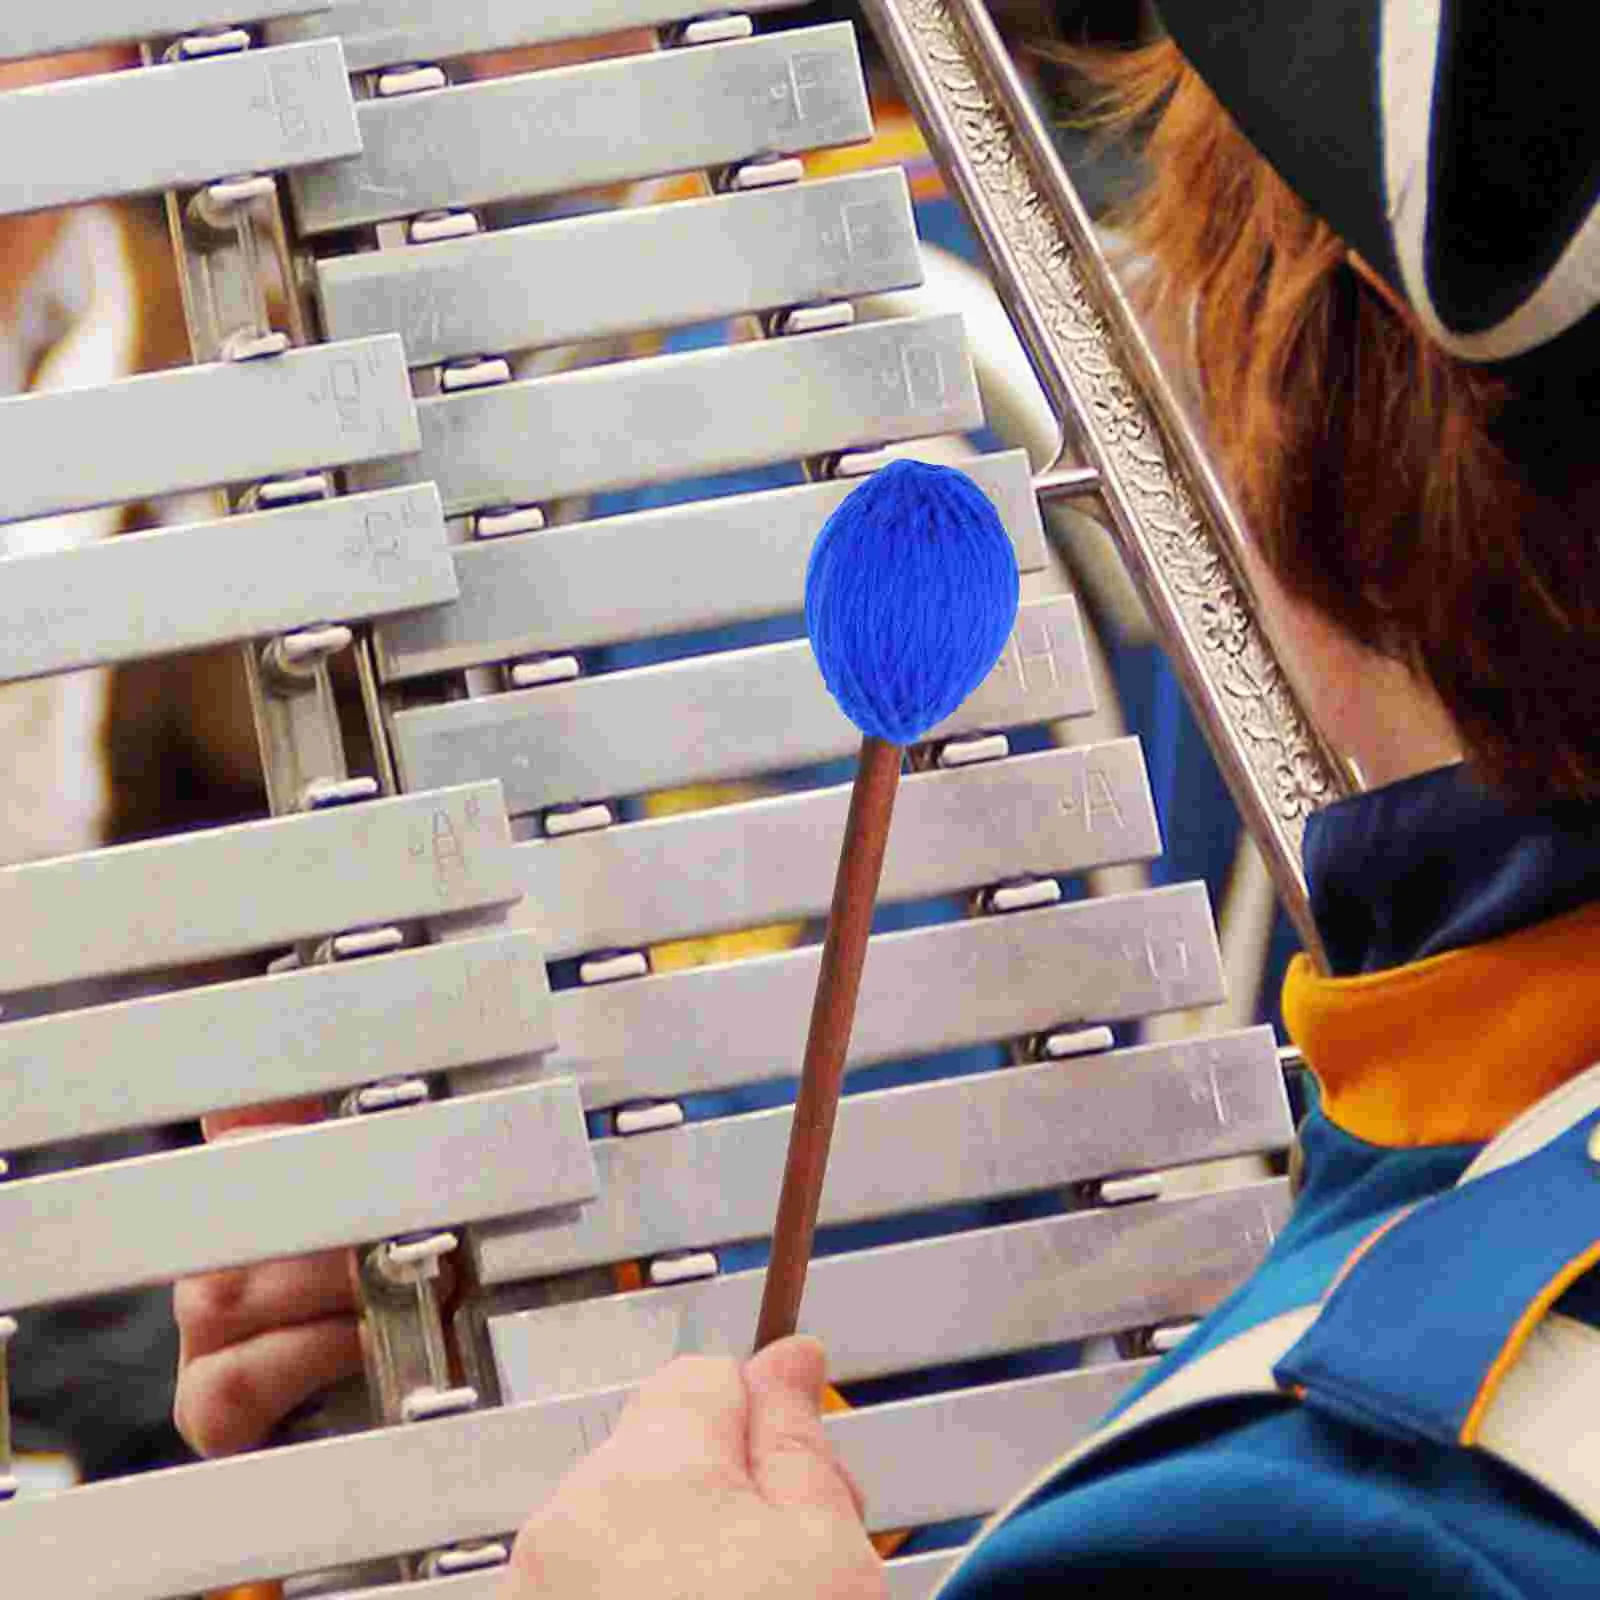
column 911, row 594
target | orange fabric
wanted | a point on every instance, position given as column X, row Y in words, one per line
column 1451, row 1049
column 1526, row 1323
column 896, row 142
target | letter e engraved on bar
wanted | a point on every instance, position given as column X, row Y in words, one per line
column 1205, row 1088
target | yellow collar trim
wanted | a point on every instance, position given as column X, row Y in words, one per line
column 1451, row 1049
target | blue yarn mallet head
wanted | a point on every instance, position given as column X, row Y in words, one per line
column 911, row 594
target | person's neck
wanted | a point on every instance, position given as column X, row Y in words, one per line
column 1404, row 732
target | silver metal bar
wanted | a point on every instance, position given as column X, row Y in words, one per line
column 1006, row 1132
column 615, row 426
column 345, row 1500
column 981, row 979
column 129, row 133
column 599, row 123
column 44, row 30
column 252, row 887
column 910, row 1578
column 383, row 33
column 914, row 1577
column 195, row 427
column 1059, row 811
column 963, row 1454
column 699, row 565
column 132, row 1223
column 713, row 258
column 727, row 715
column 1180, row 537
column 163, row 1059
column 480, row 1585
column 987, row 1292
column 217, row 582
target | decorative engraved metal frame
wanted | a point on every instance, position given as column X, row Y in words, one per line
column 1180, row 538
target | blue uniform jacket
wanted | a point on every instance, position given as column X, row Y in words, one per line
column 1462, row 935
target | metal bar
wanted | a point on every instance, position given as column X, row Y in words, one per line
column 162, row 1059
column 981, row 979
column 130, row 133
column 987, row 1292
column 168, row 902
column 910, row 1578
column 1007, row 1132
column 962, row 1455
column 1180, row 538
column 700, row 565
column 913, row 1577
column 480, row 1585
column 45, row 30
column 341, row 1501
column 727, row 715
column 211, row 583
column 383, row 33
column 1058, row 811
column 599, row 123
column 196, row 427
column 712, row 258
column 150, row 1220
column 627, row 423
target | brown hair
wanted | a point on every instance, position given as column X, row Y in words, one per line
column 1383, row 480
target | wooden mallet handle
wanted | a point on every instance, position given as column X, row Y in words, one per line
column 844, row 949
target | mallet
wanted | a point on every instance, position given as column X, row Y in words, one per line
column 911, row 595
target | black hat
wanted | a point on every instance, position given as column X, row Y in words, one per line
column 1453, row 143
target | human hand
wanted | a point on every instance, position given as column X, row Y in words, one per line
column 717, row 1484
column 255, row 1342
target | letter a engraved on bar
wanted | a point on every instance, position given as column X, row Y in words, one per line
column 1094, row 799
column 449, row 859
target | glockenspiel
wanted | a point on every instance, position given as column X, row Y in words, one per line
column 418, row 370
